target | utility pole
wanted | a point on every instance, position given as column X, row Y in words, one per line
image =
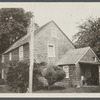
column 31, row 49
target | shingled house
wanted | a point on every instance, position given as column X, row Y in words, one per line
column 51, row 45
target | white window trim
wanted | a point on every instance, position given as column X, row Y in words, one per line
column 95, row 59
column 53, row 50
column 22, row 56
column 99, row 69
column 2, row 73
column 10, row 56
column 2, row 58
column 68, row 71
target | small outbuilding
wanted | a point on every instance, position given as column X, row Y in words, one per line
column 81, row 67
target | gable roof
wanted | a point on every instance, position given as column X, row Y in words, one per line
column 25, row 39
column 72, row 56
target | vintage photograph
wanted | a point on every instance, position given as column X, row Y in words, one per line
column 49, row 47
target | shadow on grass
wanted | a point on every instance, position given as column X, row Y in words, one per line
column 52, row 88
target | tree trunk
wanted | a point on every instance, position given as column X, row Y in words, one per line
column 49, row 87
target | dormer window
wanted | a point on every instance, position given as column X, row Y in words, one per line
column 53, row 32
column 94, row 59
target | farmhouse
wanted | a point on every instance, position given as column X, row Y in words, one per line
column 51, row 45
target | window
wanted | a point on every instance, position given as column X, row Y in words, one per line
column 99, row 69
column 2, row 58
column 66, row 69
column 95, row 59
column 51, row 50
column 10, row 56
column 20, row 53
column 3, row 73
column 53, row 32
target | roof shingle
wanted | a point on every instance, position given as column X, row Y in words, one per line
column 72, row 56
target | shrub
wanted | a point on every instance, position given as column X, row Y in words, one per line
column 53, row 74
column 18, row 75
column 43, row 74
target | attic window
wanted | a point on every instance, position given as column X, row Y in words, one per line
column 53, row 32
column 94, row 59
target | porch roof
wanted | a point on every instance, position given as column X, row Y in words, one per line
column 72, row 56
column 90, row 63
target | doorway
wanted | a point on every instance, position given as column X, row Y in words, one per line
column 90, row 73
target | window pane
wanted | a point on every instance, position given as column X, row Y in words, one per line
column 2, row 58
column 21, row 53
column 51, row 51
column 66, row 69
column 2, row 73
column 10, row 56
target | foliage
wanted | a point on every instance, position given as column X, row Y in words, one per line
column 17, row 76
column 43, row 75
column 13, row 25
column 53, row 74
column 89, row 34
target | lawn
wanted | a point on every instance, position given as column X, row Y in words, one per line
column 71, row 90
column 60, row 89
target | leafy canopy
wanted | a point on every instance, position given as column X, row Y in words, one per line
column 89, row 34
column 13, row 25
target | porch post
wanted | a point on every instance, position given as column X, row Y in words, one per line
column 99, row 74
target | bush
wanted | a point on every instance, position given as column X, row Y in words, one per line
column 18, row 75
column 53, row 74
column 43, row 74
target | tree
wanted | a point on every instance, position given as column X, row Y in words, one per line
column 13, row 25
column 53, row 74
column 89, row 34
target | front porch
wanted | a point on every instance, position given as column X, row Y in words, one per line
column 89, row 74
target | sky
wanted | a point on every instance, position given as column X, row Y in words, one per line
column 68, row 16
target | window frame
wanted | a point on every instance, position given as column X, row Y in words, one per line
column 10, row 56
column 21, row 53
column 94, row 59
column 3, row 72
column 3, row 58
column 49, row 56
column 67, row 72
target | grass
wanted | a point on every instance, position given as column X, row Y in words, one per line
column 59, row 88
column 62, row 88
column 72, row 90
